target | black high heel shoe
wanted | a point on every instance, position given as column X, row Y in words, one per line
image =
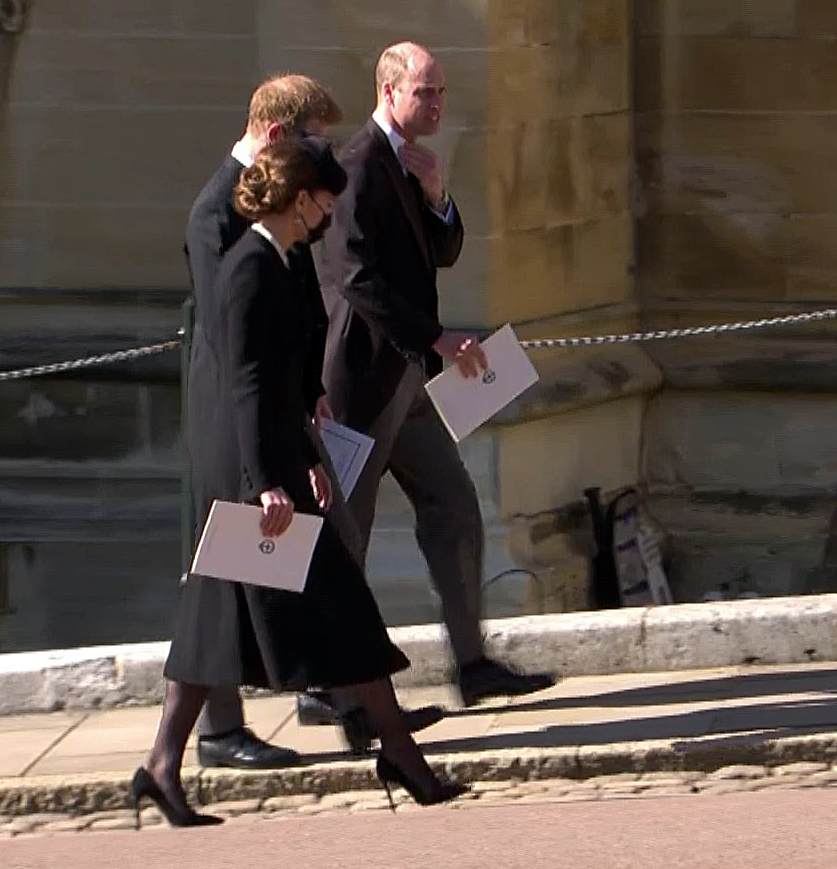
column 388, row 773
column 143, row 785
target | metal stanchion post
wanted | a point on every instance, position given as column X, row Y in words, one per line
column 187, row 518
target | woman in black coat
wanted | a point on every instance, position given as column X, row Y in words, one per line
column 248, row 443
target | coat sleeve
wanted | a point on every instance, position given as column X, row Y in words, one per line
column 313, row 375
column 350, row 247
column 204, row 247
column 247, row 338
column 445, row 238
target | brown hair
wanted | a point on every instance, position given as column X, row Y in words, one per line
column 291, row 100
column 284, row 168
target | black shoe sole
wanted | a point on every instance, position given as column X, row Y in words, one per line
column 473, row 698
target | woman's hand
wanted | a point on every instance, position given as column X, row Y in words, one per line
column 278, row 511
column 322, row 411
column 321, row 484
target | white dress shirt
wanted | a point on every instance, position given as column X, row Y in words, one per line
column 241, row 153
column 396, row 140
column 263, row 231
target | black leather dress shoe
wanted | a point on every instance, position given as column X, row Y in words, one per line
column 242, row 749
column 359, row 733
column 486, row 678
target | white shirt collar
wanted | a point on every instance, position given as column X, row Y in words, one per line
column 263, row 231
column 395, row 138
column 241, row 153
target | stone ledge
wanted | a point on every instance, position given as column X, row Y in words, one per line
column 687, row 636
column 83, row 795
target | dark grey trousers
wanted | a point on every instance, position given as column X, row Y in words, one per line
column 412, row 443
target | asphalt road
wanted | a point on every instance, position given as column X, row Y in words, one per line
column 775, row 829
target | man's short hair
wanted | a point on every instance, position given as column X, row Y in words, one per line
column 291, row 100
column 392, row 65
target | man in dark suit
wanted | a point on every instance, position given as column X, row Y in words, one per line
column 283, row 105
column 391, row 230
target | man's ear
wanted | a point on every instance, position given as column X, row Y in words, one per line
column 275, row 132
column 387, row 93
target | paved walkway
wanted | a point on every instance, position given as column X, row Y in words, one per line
column 767, row 830
column 682, row 708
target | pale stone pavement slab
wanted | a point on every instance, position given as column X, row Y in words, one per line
column 577, row 712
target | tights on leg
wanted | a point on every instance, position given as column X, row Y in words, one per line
column 379, row 702
column 180, row 712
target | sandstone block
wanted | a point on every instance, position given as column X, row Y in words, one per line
column 719, row 18
column 599, row 447
column 750, row 442
column 540, row 22
column 566, row 267
column 544, row 173
column 738, row 74
column 582, row 79
column 727, row 163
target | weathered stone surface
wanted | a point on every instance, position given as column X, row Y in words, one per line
column 581, row 79
column 817, row 18
column 599, row 447
column 444, row 24
column 765, row 631
column 288, row 802
column 696, row 256
column 177, row 17
column 234, row 808
column 125, row 70
column 570, row 380
column 550, row 172
column 720, row 17
column 62, row 420
column 566, row 267
column 781, row 364
column 749, row 163
column 541, row 22
column 741, row 771
column 799, row 769
column 752, row 442
column 736, row 74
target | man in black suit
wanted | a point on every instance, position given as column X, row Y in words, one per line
column 283, row 105
column 392, row 228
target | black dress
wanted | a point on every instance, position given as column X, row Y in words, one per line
column 246, row 435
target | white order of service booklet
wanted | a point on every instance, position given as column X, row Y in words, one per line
column 348, row 450
column 465, row 403
column 233, row 547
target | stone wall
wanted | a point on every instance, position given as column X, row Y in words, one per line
column 736, row 123
column 111, row 117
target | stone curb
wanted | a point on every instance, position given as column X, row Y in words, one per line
column 684, row 637
column 82, row 795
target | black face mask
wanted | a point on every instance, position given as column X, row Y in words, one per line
column 315, row 233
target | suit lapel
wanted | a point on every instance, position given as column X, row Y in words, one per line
column 406, row 194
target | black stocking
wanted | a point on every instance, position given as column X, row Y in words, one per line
column 180, row 712
column 397, row 744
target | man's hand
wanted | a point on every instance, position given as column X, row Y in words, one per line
column 464, row 350
column 427, row 167
column 277, row 510
column 321, row 486
column 322, row 410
